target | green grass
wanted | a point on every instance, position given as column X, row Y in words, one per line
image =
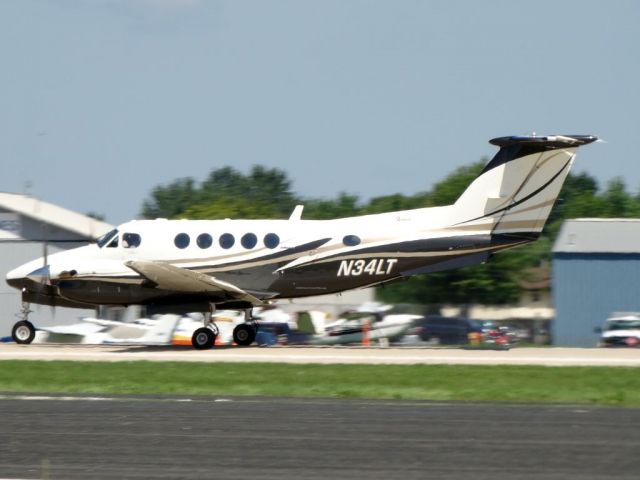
column 573, row 385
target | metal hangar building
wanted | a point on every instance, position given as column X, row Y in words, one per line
column 596, row 272
column 28, row 226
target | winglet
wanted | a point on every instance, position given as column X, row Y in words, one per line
column 297, row 213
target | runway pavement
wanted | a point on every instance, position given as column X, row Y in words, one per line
column 516, row 356
column 270, row 438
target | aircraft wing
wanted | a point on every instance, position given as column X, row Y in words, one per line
column 169, row 277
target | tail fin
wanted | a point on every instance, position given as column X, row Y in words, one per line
column 517, row 189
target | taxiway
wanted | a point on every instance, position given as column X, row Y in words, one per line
column 330, row 355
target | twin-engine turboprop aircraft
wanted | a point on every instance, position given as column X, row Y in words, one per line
column 180, row 266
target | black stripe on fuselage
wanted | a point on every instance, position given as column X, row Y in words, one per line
column 272, row 258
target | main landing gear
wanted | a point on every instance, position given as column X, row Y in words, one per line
column 205, row 337
column 245, row 333
column 23, row 331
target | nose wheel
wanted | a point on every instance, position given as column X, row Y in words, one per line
column 23, row 332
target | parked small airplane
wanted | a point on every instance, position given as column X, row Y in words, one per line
column 179, row 266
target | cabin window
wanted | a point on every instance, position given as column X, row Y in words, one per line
column 204, row 240
column 249, row 240
column 182, row 240
column 351, row 240
column 227, row 240
column 131, row 240
column 271, row 240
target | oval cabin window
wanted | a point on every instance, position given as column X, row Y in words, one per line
column 249, row 240
column 351, row 240
column 182, row 240
column 271, row 240
column 227, row 240
column 204, row 240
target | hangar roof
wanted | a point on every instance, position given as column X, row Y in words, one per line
column 599, row 235
column 53, row 215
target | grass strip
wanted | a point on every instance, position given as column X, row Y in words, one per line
column 575, row 385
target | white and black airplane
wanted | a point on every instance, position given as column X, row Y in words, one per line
column 179, row 266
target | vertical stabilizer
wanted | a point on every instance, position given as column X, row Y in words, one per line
column 517, row 189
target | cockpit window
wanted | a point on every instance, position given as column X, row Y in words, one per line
column 107, row 237
column 131, row 240
column 114, row 242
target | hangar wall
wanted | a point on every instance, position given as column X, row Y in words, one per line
column 596, row 272
column 588, row 288
column 26, row 223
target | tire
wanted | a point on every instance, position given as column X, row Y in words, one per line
column 244, row 334
column 203, row 339
column 23, row 332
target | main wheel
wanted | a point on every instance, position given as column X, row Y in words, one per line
column 203, row 338
column 244, row 334
column 23, row 332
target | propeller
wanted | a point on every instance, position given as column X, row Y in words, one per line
column 45, row 278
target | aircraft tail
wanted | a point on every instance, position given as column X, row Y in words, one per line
column 518, row 187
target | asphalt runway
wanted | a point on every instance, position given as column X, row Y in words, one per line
column 270, row 438
column 627, row 357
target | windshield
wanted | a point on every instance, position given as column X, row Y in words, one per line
column 622, row 325
column 104, row 239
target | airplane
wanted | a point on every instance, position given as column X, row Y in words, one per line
column 180, row 266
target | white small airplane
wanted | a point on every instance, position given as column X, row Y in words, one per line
column 180, row 266
column 94, row 331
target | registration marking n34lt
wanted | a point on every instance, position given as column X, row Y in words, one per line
column 376, row 266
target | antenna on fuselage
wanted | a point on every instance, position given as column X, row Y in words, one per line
column 297, row 213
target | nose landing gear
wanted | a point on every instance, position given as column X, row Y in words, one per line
column 23, row 331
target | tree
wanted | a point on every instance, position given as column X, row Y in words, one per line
column 344, row 206
column 226, row 193
column 169, row 201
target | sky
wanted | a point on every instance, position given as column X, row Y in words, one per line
column 102, row 100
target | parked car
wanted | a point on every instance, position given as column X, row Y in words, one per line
column 447, row 330
column 620, row 330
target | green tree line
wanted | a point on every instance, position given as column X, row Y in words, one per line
column 267, row 193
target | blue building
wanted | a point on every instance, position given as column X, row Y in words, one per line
column 596, row 271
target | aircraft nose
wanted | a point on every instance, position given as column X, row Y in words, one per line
column 26, row 274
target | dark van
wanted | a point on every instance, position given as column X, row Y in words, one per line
column 447, row 330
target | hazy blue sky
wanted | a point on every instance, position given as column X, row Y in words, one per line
column 103, row 100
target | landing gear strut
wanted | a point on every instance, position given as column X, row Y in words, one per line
column 23, row 331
